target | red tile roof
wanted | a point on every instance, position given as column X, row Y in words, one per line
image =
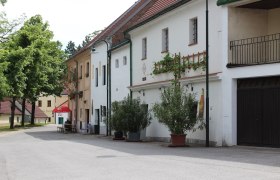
column 38, row 112
column 157, row 7
column 5, row 108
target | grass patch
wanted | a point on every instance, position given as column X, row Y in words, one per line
column 6, row 127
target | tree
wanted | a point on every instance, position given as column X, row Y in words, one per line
column 8, row 27
column 70, row 49
column 36, row 63
column 18, row 59
column 3, row 2
column 46, row 69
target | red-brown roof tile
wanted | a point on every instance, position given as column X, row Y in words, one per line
column 5, row 108
column 38, row 112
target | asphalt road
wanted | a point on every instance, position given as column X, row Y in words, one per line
column 43, row 154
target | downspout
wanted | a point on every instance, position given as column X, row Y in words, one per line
column 130, row 46
column 110, row 90
column 76, row 93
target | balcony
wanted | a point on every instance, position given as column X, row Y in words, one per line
column 255, row 51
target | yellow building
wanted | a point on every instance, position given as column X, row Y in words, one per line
column 79, row 79
column 48, row 103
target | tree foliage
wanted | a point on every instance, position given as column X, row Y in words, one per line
column 130, row 115
column 177, row 110
column 36, row 62
column 71, row 48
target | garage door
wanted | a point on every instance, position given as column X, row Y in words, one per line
column 258, row 111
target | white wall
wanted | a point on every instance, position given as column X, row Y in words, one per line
column 98, row 94
column 177, row 21
column 247, row 23
column 120, row 77
column 244, row 23
column 273, row 21
column 58, row 115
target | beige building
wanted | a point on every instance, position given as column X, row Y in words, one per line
column 48, row 103
column 79, row 76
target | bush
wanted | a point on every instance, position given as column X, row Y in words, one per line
column 177, row 110
column 130, row 115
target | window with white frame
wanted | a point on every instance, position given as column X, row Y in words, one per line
column 165, row 40
column 193, row 31
column 117, row 63
column 144, row 48
column 124, row 60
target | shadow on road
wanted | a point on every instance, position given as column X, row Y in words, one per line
column 251, row 155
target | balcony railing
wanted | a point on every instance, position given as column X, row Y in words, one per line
column 253, row 51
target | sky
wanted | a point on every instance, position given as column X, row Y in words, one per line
column 70, row 19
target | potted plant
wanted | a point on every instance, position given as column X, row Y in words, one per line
column 134, row 117
column 178, row 111
column 117, row 120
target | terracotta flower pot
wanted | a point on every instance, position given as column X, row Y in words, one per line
column 178, row 140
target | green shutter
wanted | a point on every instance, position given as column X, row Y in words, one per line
column 223, row 2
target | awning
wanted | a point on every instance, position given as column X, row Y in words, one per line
column 61, row 109
column 223, row 2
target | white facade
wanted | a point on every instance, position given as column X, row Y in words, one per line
column 250, row 23
column 120, row 74
column 59, row 115
column 98, row 85
column 148, row 86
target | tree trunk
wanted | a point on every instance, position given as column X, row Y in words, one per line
column 23, row 112
column 33, row 113
column 13, row 107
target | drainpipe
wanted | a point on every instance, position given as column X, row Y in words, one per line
column 77, row 92
column 130, row 65
column 207, row 76
column 110, row 91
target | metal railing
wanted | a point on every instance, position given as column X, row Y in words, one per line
column 256, row 50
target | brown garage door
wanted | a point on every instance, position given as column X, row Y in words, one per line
column 258, row 111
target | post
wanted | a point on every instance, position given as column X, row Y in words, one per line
column 207, row 76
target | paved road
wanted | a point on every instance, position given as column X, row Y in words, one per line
column 44, row 154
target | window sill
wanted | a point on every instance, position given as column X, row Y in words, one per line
column 166, row 51
column 193, row 44
column 144, row 58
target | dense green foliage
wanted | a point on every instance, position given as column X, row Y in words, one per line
column 177, row 110
column 130, row 115
column 35, row 63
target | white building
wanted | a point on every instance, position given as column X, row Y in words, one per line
column 179, row 29
column 99, row 60
column 251, row 55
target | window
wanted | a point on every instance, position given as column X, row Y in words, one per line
column 103, row 75
column 87, row 70
column 49, row 103
column 124, row 60
column 96, row 77
column 193, row 31
column 39, row 103
column 81, row 111
column 144, row 48
column 81, row 73
column 165, row 40
column 117, row 63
